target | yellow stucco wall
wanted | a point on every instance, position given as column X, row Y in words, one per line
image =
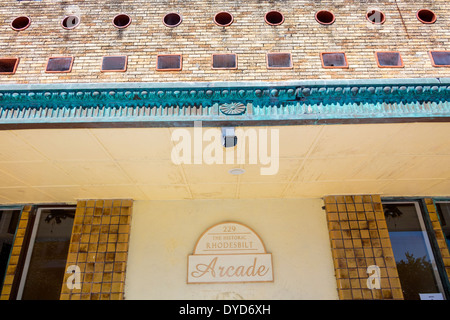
column 294, row 231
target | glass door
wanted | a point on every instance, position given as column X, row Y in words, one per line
column 46, row 258
column 416, row 265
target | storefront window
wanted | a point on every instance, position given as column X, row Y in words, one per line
column 9, row 220
column 443, row 209
column 416, row 265
column 46, row 258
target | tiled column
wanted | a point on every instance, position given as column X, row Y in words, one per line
column 440, row 238
column 99, row 248
column 359, row 239
column 11, row 272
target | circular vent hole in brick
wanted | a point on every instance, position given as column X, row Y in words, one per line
column 324, row 17
column 274, row 18
column 426, row 16
column 172, row 20
column 70, row 22
column 121, row 21
column 20, row 23
column 223, row 19
column 376, row 17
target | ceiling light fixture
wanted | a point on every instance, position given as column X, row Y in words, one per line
column 236, row 171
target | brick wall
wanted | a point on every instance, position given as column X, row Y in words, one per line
column 359, row 238
column 197, row 38
column 99, row 248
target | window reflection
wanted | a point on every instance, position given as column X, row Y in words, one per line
column 45, row 266
column 412, row 252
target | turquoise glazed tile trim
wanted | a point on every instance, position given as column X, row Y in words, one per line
column 241, row 103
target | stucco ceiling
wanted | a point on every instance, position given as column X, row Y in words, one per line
column 64, row 165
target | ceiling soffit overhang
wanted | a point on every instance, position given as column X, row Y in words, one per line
column 223, row 103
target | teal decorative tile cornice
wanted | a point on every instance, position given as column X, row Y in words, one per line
column 241, row 103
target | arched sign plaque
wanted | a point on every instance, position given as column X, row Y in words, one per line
column 229, row 252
